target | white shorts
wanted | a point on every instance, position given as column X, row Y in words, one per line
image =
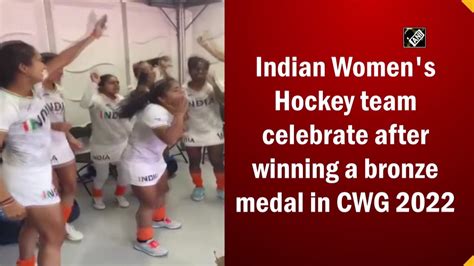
column 61, row 153
column 30, row 186
column 143, row 174
column 107, row 153
column 202, row 139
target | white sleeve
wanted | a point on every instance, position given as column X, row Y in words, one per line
column 156, row 116
column 86, row 101
column 8, row 115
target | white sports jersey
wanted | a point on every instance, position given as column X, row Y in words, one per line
column 204, row 126
column 107, row 127
column 26, row 122
column 143, row 144
column 55, row 102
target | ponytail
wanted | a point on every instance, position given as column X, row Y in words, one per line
column 135, row 102
column 140, row 98
column 157, row 60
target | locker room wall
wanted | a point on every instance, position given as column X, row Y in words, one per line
column 24, row 20
column 150, row 34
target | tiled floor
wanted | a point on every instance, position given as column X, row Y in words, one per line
column 109, row 233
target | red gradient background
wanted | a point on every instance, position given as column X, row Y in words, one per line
column 370, row 31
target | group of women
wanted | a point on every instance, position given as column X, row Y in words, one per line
column 38, row 178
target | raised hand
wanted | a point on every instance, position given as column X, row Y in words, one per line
column 182, row 106
column 203, row 39
column 100, row 27
column 143, row 78
column 95, row 77
column 179, row 107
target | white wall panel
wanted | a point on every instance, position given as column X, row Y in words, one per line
column 24, row 20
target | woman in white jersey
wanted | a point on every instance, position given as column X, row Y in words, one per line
column 26, row 187
column 62, row 156
column 146, row 76
column 204, row 128
column 109, row 135
column 159, row 114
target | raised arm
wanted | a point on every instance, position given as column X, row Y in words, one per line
column 86, row 101
column 67, row 56
column 210, row 47
column 163, row 63
column 144, row 82
column 144, row 74
column 154, row 61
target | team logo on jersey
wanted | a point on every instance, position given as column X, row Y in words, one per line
column 108, row 115
column 112, row 114
column 54, row 159
column 49, row 194
column 200, row 103
column 220, row 135
column 34, row 124
column 101, row 157
column 147, row 178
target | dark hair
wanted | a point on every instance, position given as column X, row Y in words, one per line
column 157, row 60
column 47, row 57
column 193, row 62
column 137, row 68
column 152, row 62
column 12, row 55
column 139, row 98
column 103, row 80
